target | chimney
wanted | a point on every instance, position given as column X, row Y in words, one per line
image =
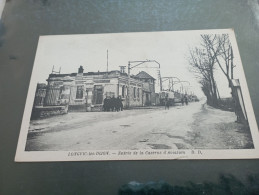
column 80, row 69
column 122, row 69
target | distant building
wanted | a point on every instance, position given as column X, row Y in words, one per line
column 149, row 96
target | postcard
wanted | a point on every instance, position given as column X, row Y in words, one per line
column 138, row 96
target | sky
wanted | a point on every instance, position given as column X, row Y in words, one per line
column 169, row 49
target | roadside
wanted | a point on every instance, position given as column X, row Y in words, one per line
column 217, row 129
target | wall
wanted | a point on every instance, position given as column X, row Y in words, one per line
column 137, row 100
column 43, row 112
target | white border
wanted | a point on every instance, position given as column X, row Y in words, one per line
column 41, row 156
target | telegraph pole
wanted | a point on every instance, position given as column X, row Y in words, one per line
column 128, row 90
column 107, row 61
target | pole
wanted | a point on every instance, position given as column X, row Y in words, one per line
column 161, row 87
column 160, row 78
column 107, row 61
column 128, row 92
column 172, row 84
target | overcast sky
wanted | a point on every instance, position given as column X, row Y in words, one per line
column 170, row 49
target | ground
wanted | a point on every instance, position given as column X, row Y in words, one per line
column 193, row 126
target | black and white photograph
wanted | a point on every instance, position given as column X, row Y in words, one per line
column 138, row 96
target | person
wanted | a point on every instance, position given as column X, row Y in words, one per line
column 182, row 101
column 105, row 104
column 112, row 103
column 186, row 100
column 118, row 104
column 167, row 103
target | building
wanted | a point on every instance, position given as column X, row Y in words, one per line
column 149, row 96
column 40, row 94
column 86, row 91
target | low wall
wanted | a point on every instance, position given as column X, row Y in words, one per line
column 97, row 108
column 77, row 108
column 43, row 112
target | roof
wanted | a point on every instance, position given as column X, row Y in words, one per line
column 87, row 74
column 144, row 75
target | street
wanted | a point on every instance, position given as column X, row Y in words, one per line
column 193, row 126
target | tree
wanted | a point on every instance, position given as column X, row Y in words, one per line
column 214, row 50
column 220, row 47
column 203, row 64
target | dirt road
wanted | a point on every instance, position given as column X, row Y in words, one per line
column 181, row 127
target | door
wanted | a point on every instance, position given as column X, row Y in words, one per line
column 98, row 94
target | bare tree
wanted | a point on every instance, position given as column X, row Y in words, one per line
column 214, row 50
column 220, row 47
column 203, row 65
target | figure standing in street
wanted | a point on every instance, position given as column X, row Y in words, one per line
column 167, row 103
column 186, row 100
column 105, row 104
column 182, row 101
column 118, row 104
column 113, row 103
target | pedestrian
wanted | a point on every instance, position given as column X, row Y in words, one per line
column 186, row 100
column 182, row 101
column 117, row 104
column 166, row 103
column 105, row 104
column 120, row 103
column 113, row 103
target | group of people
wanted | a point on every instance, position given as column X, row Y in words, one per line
column 112, row 104
column 184, row 99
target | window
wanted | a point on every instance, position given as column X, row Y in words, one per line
column 134, row 92
column 79, row 92
column 138, row 93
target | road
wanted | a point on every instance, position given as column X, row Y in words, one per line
column 181, row 127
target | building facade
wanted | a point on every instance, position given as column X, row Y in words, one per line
column 86, row 91
column 149, row 95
